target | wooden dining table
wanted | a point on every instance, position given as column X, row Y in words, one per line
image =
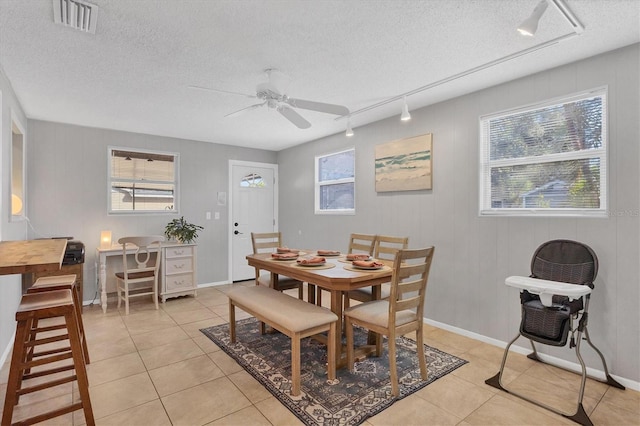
column 337, row 277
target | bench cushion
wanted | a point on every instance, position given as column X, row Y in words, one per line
column 294, row 314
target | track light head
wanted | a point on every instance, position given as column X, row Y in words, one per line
column 349, row 131
column 530, row 25
column 405, row 116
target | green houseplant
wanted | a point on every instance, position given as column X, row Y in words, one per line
column 182, row 231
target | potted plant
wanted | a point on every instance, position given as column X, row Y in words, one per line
column 182, row 231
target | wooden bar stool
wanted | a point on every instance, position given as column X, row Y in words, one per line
column 35, row 307
column 59, row 282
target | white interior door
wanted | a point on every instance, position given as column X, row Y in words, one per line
column 253, row 201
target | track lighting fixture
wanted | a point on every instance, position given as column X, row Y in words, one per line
column 349, row 131
column 530, row 25
column 405, row 111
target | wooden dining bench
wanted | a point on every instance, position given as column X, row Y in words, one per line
column 292, row 317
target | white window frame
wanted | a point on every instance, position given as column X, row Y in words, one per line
column 176, row 182
column 319, row 184
column 485, row 166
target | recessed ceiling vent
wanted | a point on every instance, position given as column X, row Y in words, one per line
column 76, row 14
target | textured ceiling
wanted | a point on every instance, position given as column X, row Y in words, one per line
column 134, row 73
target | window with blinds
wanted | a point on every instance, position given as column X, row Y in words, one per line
column 335, row 182
column 547, row 159
column 142, row 181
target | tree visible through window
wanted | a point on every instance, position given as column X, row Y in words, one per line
column 335, row 183
column 142, row 181
column 547, row 159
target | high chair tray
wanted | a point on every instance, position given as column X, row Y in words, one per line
column 547, row 289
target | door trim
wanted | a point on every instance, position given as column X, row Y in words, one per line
column 233, row 163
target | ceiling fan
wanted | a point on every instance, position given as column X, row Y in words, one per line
column 271, row 93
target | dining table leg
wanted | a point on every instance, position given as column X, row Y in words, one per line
column 336, row 308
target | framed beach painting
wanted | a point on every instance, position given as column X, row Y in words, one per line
column 404, row 164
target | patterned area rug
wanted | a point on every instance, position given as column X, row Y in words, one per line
column 357, row 396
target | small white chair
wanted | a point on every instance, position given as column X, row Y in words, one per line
column 141, row 280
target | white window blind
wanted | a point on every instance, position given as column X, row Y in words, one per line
column 142, row 181
column 335, row 183
column 547, row 159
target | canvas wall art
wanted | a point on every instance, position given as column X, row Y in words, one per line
column 404, row 164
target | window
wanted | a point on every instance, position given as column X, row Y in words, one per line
column 252, row 180
column 142, row 181
column 547, row 159
column 18, row 200
column 335, row 183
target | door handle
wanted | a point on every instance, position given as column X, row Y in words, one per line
column 237, row 232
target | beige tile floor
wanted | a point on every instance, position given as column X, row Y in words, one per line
column 156, row 368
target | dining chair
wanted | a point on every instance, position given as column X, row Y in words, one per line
column 267, row 242
column 141, row 279
column 358, row 243
column 361, row 243
column 384, row 249
column 398, row 315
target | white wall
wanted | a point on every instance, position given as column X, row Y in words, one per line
column 10, row 285
column 474, row 254
column 67, row 174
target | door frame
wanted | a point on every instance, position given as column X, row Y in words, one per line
column 232, row 164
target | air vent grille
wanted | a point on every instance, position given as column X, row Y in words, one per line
column 76, row 14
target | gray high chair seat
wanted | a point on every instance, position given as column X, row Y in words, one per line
column 555, row 304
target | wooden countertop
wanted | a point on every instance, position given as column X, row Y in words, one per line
column 19, row 257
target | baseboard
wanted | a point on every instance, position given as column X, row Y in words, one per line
column 213, row 284
column 7, row 350
column 573, row 366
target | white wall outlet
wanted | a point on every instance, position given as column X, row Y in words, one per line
column 208, row 215
column 217, row 215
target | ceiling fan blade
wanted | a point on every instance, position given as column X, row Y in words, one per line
column 293, row 117
column 240, row 111
column 222, row 91
column 318, row 106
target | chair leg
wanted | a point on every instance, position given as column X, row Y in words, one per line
column 15, row 372
column 377, row 338
column 496, row 380
column 421, row 357
column 301, row 291
column 311, row 293
column 155, row 292
column 232, row 321
column 583, row 380
column 80, row 368
column 610, row 380
column 393, row 368
column 126, row 298
column 119, row 294
column 348, row 328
